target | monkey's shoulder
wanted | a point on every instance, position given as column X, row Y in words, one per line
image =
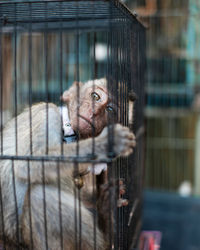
column 36, row 114
column 37, row 122
column 43, row 106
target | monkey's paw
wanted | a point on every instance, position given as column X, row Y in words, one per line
column 123, row 140
column 110, row 195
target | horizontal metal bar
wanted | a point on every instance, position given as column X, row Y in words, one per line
column 69, row 19
column 73, row 159
column 59, row 10
column 66, row 27
column 47, row 1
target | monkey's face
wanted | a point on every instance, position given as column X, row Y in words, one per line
column 91, row 114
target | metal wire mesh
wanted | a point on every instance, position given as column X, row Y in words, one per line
column 44, row 47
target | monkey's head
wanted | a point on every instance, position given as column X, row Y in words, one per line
column 90, row 113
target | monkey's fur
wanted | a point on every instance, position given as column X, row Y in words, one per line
column 18, row 171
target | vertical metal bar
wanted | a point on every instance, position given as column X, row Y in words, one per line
column 93, row 128
column 16, row 130
column 47, row 118
column 110, row 137
column 78, row 226
column 30, row 76
column 115, row 97
column 123, row 167
column 1, row 86
column 44, row 204
column 1, row 129
column 120, row 215
column 59, row 206
column 46, row 76
column 110, row 78
column 131, row 171
column 16, row 204
column 75, row 214
column 61, row 64
column 29, row 204
column 128, row 162
column 15, row 78
column 122, row 48
column 77, row 68
column 127, row 51
column 2, row 216
column 119, row 120
column 30, row 120
column 61, row 92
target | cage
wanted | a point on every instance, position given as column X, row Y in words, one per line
column 45, row 46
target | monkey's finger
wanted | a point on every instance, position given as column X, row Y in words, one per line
column 121, row 127
column 132, row 144
column 122, row 202
column 126, row 132
column 129, row 143
column 127, row 152
column 122, row 187
column 121, row 181
column 131, row 136
column 122, row 191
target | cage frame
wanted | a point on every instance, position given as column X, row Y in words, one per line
column 5, row 22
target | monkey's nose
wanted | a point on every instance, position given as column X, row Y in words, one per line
column 97, row 111
column 100, row 108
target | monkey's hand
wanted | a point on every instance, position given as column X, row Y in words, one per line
column 122, row 141
column 110, row 197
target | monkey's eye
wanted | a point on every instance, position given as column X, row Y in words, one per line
column 109, row 109
column 95, row 96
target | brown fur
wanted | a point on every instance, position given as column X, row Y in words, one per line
column 124, row 141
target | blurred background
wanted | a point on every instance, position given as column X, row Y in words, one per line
column 172, row 178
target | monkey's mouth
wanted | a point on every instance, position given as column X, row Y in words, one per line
column 89, row 122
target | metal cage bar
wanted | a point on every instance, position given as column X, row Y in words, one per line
column 52, row 39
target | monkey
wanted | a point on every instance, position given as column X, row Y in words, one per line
column 103, row 188
column 112, row 108
column 28, row 188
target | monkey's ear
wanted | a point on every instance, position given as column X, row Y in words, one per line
column 71, row 92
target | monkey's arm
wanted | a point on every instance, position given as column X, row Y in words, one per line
column 43, row 136
column 123, row 144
